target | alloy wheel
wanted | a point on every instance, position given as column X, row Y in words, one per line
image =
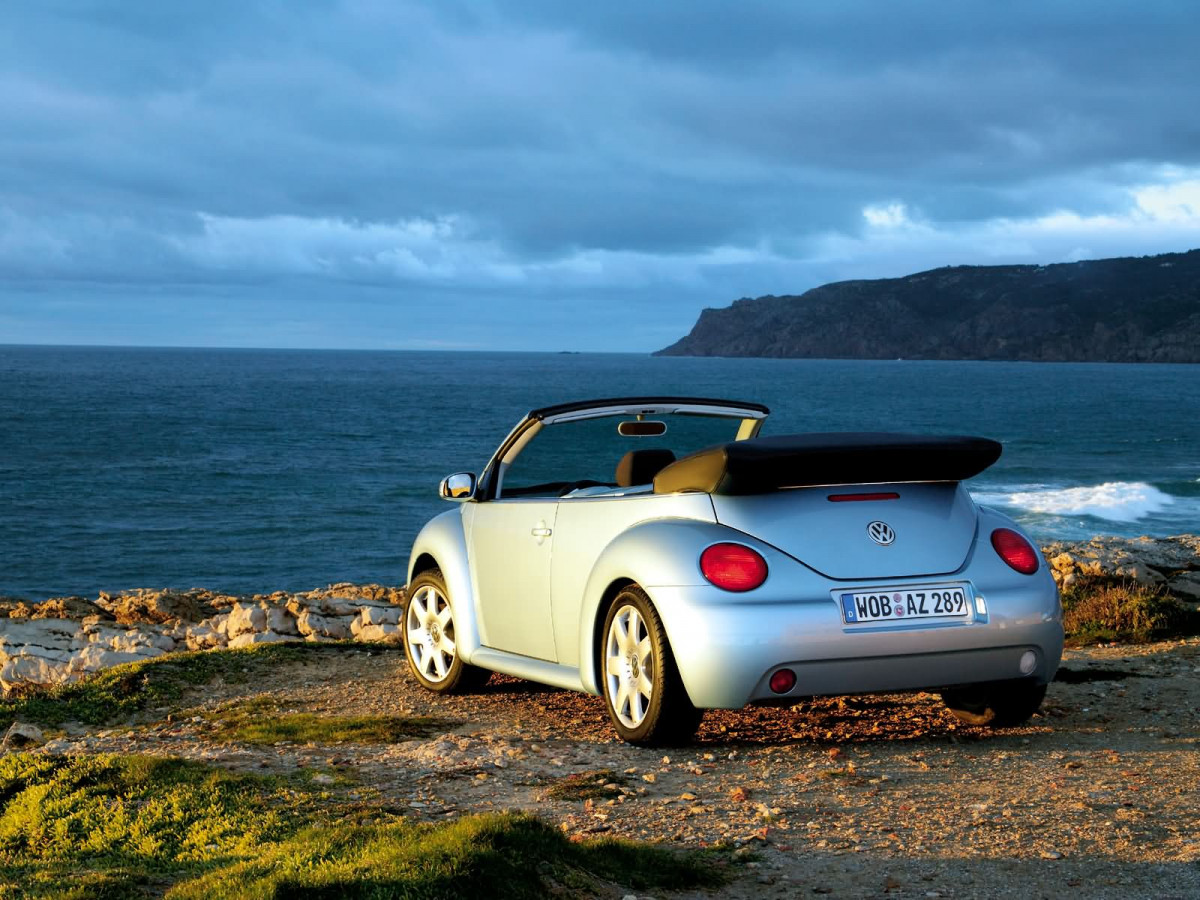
column 629, row 666
column 429, row 630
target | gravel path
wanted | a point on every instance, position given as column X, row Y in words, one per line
column 853, row 797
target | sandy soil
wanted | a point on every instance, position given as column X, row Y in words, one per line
column 854, row 797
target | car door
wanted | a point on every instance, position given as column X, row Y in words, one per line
column 510, row 545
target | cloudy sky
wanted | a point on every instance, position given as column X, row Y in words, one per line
column 549, row 175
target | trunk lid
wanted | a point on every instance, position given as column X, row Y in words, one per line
column 932, row 527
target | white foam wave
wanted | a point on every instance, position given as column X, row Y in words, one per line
column 1117, row 501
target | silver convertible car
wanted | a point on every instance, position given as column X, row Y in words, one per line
column 658, row 552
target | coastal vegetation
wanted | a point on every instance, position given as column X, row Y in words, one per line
column 1101, row 609
column 117, row 694
column 127, row 826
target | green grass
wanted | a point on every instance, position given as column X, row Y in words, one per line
column 124, row 822
column 123, row 827
column 600, row 784
column 259, row 721
column 116, row 694
column 1105, row 610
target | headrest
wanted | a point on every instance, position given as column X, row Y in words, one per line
column 640, row 466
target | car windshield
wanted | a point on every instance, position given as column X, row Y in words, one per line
column 585, row 453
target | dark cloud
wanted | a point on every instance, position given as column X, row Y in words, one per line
column 529, row 163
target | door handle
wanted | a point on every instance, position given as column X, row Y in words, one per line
column 542, row 532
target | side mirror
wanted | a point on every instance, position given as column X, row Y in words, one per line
column 457, row 487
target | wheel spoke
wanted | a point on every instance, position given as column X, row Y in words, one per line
column 622, row 701
column 645, row 649
column 645, row 686
column 635, row 629
column 448, row 647
column 439, row 662
column 444, row 616
column 417, row 605
column 621, row 629
column 613, row 666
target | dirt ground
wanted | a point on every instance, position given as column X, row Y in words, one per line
column 854, row 797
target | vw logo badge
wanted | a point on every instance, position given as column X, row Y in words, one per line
column 881, row 533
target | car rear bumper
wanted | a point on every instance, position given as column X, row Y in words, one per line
column 727, row 646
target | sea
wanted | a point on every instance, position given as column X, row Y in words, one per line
column 259, row 470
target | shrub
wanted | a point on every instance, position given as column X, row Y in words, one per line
column 1099, row 609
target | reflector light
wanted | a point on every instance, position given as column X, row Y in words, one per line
column 1015, row 550
column 783, row 681
column 733, row 567
column 854, row 498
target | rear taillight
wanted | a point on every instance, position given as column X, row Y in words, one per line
column 733, row 567
column 1015, row 550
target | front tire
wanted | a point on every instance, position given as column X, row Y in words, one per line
column 430, row 638
column 643, row 692
column 998, row 704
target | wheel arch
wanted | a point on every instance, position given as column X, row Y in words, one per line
column 423, row 563
column 441, row 544
column 592, row 675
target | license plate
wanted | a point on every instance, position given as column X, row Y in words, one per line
column 948, row 601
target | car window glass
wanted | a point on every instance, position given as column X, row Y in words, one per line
column 577, row 454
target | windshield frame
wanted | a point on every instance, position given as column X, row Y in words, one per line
column 751, row 416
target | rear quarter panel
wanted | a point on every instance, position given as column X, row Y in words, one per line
column 589, row 530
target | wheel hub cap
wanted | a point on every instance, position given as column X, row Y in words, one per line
column 629, row 667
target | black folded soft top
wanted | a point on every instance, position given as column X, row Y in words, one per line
column 762, row 465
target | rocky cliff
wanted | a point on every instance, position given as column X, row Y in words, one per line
column 1144, row 309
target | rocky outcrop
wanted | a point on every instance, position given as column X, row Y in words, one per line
column 1143, row 309
column 1171, row 564
column 63, row 639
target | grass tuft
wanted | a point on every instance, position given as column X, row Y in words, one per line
column 600, row 784
column 110, row 826
column 1103, row 610
column 259, row 721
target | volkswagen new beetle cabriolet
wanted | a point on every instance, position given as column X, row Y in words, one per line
column 658, row 552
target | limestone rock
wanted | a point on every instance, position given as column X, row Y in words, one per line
column 160, row 607
column 385, row 634
column 21, row 735
column 203, row 636
column 333, row 627
column 39, row 671
column 377, row 615
column 245, row 618
column 248, row 639
column 1172, row 563
column 66, row 608
column 1186, row 585
column 96, row 657
column 128, row 640
column 280, row 621
column 45, row 638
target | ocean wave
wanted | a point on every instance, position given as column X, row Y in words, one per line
column 1116, row 501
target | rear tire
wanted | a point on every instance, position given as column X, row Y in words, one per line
column 430, row 638
column 644, row 695
column 998, row 704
